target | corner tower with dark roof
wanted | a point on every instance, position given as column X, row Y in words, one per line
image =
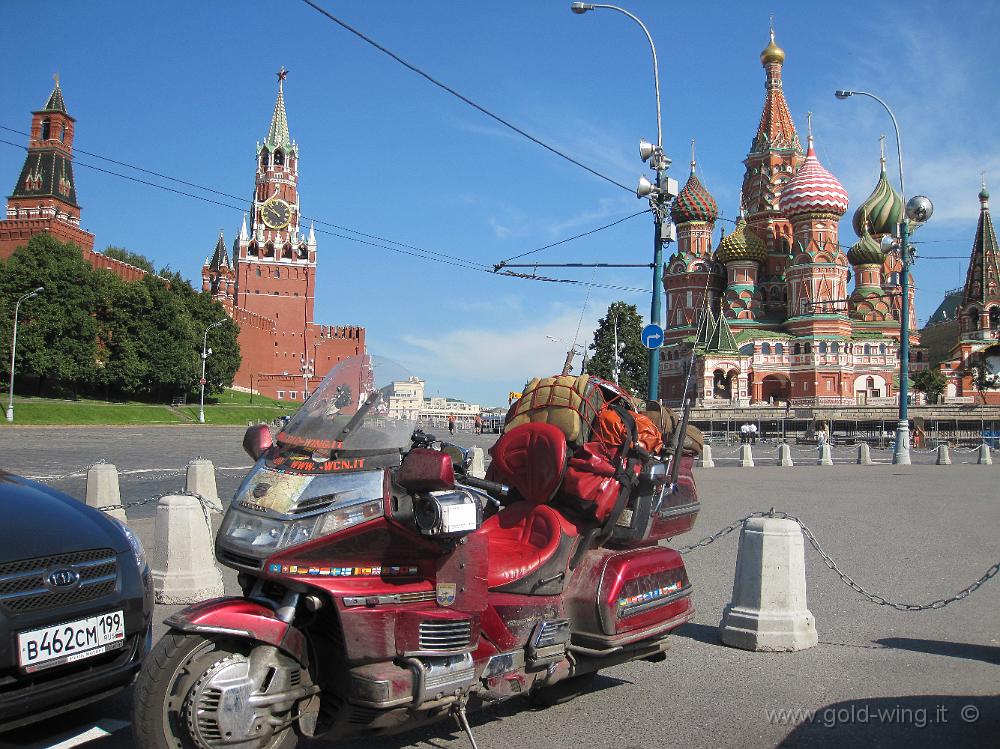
column 44, row 196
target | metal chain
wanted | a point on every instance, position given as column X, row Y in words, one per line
column 207, row 506
column 875, row 598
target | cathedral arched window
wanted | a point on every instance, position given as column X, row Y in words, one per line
column 834, row 348
column 279, row 158
column 277, row 272
column 258, row 272
column 796, row 349
column 62, row 133
column 994, row 317
column 974, row 319
column 870, row 383
column 779, row 349
column 867, row 350
column 881, row 349
column 46, row 128
column 809, row 348
column 822, row 347
column 265, row 159
column 765, row 348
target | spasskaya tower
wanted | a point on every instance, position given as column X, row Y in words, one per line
column 272, row 279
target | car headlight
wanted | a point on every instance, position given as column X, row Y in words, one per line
column 262, row 535
column 135, row 543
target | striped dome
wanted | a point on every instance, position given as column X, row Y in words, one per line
column 813, row 190
column 883, row 209
column 694, row 203
column 741, row 245
column 866, row 251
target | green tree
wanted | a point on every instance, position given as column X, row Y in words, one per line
column 57, row 333
column 931, row 382
column 123, row 309
column 132, row 258
column 633, row 360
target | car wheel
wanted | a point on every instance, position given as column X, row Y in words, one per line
column 178, row 702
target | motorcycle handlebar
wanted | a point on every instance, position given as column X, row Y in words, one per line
column 492, row 487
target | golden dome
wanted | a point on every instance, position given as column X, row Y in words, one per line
column 772, row 53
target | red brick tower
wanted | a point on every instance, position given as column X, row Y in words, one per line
column 775, row 155
column 217, row 275
column 275, row 261
column 44, row 198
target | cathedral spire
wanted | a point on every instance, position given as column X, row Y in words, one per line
column 55, row 101
column 982, row 283
column 220, row 258
column 776, row 129
column 277, row 134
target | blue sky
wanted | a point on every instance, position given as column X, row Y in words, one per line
column 187, row 89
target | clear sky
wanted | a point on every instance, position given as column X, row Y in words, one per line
column 187, row 89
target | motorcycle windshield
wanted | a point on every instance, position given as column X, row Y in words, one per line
column 349, row 412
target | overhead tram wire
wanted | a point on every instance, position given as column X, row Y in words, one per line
column 462, row 97
column 428, row 254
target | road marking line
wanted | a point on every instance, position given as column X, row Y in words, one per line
column 98, row 731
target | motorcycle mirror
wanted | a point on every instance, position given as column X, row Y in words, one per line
column 257, row 440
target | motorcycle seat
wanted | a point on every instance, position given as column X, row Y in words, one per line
column 531, row 458
column 527, row 540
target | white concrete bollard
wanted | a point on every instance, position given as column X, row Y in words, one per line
column 746, row 456
column 201, row 480
column 825, row 457
column 103, row 489
column 864, row 454
column 706, row 457
column 985, row 459
column 183, row 564
column 785, row 455
column 768, row 611
column 478, row 467
column 943, row 456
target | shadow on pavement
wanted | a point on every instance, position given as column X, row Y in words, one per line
column 699, row 632
column 912, row 721
column 968, row 651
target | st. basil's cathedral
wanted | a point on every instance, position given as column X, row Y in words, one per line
column 768, row 313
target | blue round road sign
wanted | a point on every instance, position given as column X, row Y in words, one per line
column 652, row 336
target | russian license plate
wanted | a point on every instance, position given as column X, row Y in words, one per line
column 72, row 641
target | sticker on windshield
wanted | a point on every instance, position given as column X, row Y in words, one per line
column 273, row 491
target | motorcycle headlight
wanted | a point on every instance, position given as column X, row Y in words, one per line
column 135, row 543
column 261, row 535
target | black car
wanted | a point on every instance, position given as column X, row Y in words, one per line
column 75, row 603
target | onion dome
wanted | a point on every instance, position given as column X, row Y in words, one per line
column 694, row 202
column 772, row 52
column 813, row 190
column 882, row 211
column 741, row 245
column 866, row 251
column 984, row 194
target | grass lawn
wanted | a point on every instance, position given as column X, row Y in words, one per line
column 229, row 407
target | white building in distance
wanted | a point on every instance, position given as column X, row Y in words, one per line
column 407, row 401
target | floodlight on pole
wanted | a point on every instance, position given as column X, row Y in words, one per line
column 919, row 212
column 658, row 194
column 13, row 348
column 205, row 351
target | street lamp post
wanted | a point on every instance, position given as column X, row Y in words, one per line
column 901, row 452
column 205, row 351
column 307, row 372
column 659, row 195
column 13, row 348
column 570, row 354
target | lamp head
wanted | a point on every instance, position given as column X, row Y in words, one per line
column 919, row 209
column 646, row 149
column 644, row 189
column 886, row 243
column 580, row 8
column 841, row 94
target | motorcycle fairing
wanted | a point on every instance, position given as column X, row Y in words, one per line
column 243, row 618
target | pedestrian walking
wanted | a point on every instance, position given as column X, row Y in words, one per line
column 479, row 424
column 753, row 433
column 451, row 423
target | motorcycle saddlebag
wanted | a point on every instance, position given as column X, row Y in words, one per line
column 589, row 486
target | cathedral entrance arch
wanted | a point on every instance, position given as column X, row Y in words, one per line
column 776, row 388
column 722, row 384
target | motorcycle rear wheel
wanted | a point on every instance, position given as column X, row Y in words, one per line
column 163, row 714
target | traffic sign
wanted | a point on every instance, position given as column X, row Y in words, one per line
column 652, row 336
column 202, row 381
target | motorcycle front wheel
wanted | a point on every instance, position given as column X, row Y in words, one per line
column 206, row 693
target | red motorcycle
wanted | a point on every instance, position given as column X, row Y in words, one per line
column 383, row 587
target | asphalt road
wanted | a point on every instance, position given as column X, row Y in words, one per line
column 879, row 677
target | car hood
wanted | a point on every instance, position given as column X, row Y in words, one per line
column 40, row 521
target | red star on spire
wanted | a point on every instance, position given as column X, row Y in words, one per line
column 282, row 74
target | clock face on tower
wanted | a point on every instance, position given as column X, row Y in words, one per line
column 276, row 213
